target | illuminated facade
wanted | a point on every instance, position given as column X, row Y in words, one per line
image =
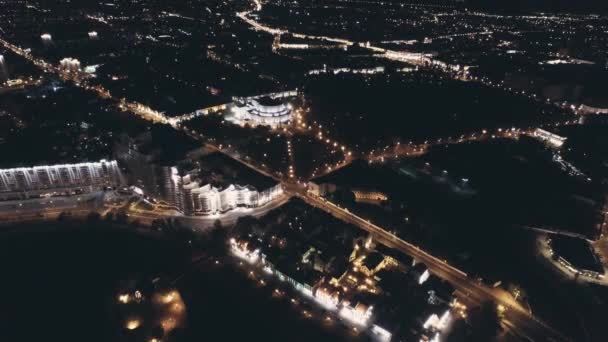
column 194, row 198
column 25, row 182
column 264, row 110
column 70, row 65
column 208, row 200
column 244, row 250
column 3, row 70
column 172, row 186
column 551, row 138
column 254, row 113
column 381, row 333
column 352, row 296
column 359, row 314
column 372, row 197
column 327, row 297
column 592, row 110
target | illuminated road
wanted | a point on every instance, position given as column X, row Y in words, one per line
column 400, row 150
column 46, row 215
column 79, row 79
column 204, row 222
column 517, row 315
column 414, row 58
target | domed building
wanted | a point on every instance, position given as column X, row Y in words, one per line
column 262, row 111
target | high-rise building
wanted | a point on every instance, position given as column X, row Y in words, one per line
column 3, row 70
column 172, row 186
column 25, row 182
column 70, row 65
column 192, row 198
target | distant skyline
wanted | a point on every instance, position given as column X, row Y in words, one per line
column 542, row 5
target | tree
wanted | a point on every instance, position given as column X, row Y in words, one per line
column 158, row 224
column 460, row 332
column 93, row 216
column 121, row 216
column 109, row 216
column 63, row 216
column 345, row 197
column 219, row 241
column 484, row 322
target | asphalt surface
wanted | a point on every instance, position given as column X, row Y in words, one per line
column 519, row 319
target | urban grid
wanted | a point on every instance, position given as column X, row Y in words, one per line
column 304, row 170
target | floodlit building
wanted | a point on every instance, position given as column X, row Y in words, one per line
column 403, row 260
column 93, row 35
column 371, row 197
column 381, row 333
column 69, row 64
column 372, row 263
column 379, row 294
column 262, row 112
column 245, row 249
column 327, row 296
column 438, row 323
column 358, row 312
column 46, row 37
column 207, row 199
column 194, row 198
column 27, row 182
column 172, row 186
column 265, row 110
column 3, row 70
column 420, row 272
column 552, row 139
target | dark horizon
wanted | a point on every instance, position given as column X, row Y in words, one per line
column 519, row 6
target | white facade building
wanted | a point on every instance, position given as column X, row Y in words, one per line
column 3, row 70
column 26, row 181
column 194, row 198
column 265, row 110
column 209, row 200
column 257, row 114
column 70, row 64
column 551, row 138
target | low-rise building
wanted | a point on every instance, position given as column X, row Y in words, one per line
column 552, row 139
column 369, row 196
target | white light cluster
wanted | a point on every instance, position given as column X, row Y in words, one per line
column 360, row 314
column 62, row 175
column 70, row 64
column 240, row 249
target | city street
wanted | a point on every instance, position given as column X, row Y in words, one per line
column 475, row 292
